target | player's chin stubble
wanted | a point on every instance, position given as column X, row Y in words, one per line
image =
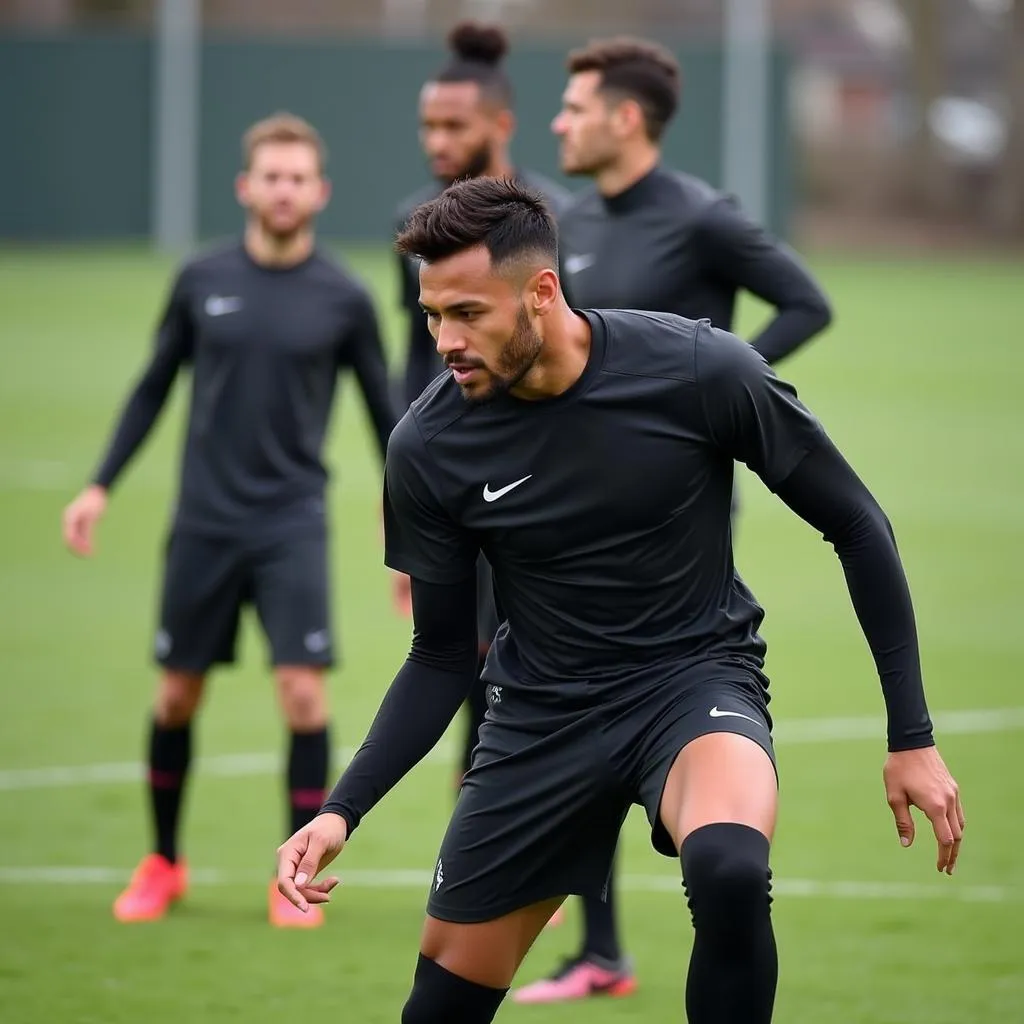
column 514, row 361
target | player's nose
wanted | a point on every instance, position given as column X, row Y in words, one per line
column 450, row 339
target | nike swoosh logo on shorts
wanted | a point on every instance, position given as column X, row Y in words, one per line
column 715, row 713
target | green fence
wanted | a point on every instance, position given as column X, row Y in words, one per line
column 76, row 160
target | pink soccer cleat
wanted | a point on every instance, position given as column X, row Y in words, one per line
column 155, row 885
column 284, row 913
column 580, row 978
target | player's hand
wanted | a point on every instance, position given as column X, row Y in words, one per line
column 301, row 858
column 81, row 517
column 401, row 594
column 919, row 778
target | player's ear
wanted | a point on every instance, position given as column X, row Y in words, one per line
column 630, row 117
column 326, row 190
column 505, row 122
column 242, row 189
column 543, row 289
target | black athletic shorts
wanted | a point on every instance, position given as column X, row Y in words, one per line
column 540, row 810
column 209, row 580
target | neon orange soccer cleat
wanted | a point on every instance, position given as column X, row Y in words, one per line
column 155, row 884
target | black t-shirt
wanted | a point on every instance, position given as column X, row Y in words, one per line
column 605, row 511
column 423, row 363
column 265, row 346
column 673, row 244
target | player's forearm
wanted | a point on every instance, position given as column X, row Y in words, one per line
column 421, row 702
column 415, row 712
column 134, row 425
column 826, row 492
column 792, row 327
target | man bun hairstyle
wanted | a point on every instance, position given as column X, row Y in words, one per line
column 473, row 41
column 478, row 52
column 512, row 222
column 635, row 69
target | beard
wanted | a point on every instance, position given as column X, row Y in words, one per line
column 284, row 230
column 514, row 362
column 475, row 167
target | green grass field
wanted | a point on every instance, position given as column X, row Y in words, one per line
column 918, row 381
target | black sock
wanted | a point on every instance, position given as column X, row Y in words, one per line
column 734, row 965
column 308, row 760
column 170, row 750
column 600, row 935
column 439, row 996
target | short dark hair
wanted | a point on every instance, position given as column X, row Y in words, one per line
column 478, row 51
column 636, row 69
column 510, row 221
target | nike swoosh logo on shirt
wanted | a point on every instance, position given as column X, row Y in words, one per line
column 490, row 495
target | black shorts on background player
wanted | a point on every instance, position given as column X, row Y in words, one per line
column 208, row 581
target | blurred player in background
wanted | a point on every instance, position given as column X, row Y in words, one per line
column 266, row 324
column 649, row 237
column 466, row 129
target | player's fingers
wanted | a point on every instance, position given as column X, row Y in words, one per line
column 314, row 897
column 904, row 822
column 324, row 886
column 943, row 834
column 288, row 857
column 309, row 863
column 953, row 819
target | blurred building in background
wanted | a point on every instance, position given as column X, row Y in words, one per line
column 900, row 114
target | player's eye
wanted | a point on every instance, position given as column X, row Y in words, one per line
column 433, row 316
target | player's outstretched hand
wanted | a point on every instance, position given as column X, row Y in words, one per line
column 81, row 517
column 301, row 858
column 919, row 778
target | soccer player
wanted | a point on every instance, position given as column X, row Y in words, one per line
column 266, row 324
column 645, row 236
column 466, row 128
column 591, row 457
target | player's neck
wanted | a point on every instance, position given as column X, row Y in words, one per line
column 562, row 360
column 500, row 167
column 634, row 164
column 274, row 251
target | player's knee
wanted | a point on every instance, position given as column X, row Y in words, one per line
column 727, row 879
column 303, row 697
column 438, row 995
column 177, row 698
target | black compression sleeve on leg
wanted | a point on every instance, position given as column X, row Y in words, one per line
column 734, row 964
column 440, row 997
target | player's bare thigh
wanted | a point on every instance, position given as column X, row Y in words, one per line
column 488, row 953
column 720, row 777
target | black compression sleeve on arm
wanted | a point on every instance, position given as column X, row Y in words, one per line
column 173, row 348
column 421, row 702
column 825, row 491
column 367, row 358
column 741, row 251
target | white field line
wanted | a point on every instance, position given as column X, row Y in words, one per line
column 792, row 731
column 801, row 888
